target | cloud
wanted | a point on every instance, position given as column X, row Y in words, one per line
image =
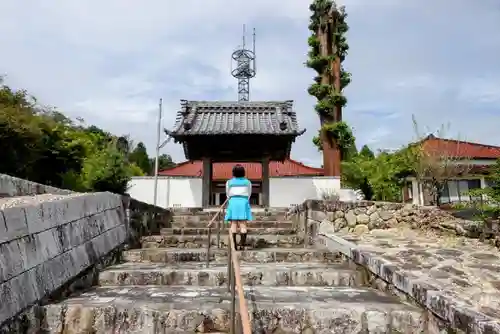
column 110, row 62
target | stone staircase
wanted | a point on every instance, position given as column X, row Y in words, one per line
column 166, row 287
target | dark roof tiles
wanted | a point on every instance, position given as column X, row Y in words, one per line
column 229, row 117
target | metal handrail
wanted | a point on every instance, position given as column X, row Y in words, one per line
column 234, row 282
column 221, row 209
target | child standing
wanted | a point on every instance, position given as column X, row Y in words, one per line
column 238, row 212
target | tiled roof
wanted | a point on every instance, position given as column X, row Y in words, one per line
column 223, row 170
column 460, row 149
column 226, row 117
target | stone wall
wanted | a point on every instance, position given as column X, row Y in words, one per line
column 12, row 186
column 51, row 245
column 144, row 219
column 363, row 216
column 365, row 233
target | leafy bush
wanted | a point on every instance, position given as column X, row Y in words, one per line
column 42, row 145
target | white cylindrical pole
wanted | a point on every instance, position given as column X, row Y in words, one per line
column 158, row 134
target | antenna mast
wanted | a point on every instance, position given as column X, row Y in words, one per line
column 245, row 69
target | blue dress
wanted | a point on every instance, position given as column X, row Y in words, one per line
column 238, row 207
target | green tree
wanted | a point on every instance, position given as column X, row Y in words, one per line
column 379, row 177
column 366, row 152
column 43, row 145
column 106, row 170
column 493, row 191
column 489, row 206
column 328, row 23
column 164, row 162
column 140, row 157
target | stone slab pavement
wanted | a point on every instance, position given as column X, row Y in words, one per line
column 457, row 278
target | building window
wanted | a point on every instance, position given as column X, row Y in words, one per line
column 457, row 191
column 445, row 195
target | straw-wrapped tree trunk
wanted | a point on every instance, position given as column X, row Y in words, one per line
column 328, row 48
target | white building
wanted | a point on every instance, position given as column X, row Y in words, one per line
column 473, row 159
column 290, row 183
column 218, row 134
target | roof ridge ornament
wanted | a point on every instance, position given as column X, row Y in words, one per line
column 279, row 115
column 188, row 120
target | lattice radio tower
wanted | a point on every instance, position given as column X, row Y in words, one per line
column 243, row 67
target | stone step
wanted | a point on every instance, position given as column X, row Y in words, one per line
column 208, row 217
column 203, row 231
column 254, row 224
column 200, row 241
column 182, row 309
column 176, row 255
column 196, row 273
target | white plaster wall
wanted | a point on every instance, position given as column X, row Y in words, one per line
column 187, row 192
column 287, row 191
column 172, row 191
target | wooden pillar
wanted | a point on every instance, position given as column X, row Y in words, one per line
column 206, row 182
column 265, row 182
column 326, row 143
column 336, row 71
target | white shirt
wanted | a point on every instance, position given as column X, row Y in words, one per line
column 235, row 190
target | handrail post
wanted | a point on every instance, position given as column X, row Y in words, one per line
column 232, row 288
column 218, row 233
column 230, row 278
column 306, row 229
column 208, row 247
column 220, row 225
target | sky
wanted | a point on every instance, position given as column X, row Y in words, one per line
column 109, row 62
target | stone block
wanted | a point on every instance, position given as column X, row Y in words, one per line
column 38, row 248
column 98, row 223
column 112, row 218
column 47, row 244
column 15, row 221
column 27, row 288
column 28, row 251
column 99, row 202
column 49, row 214
column 50, row 243
column 11, row 261
column 69, row 265
column 75, row 261
column 12, row 186
column 17, row 294
column 9, row 305
column 3, row 229
column 81, row 231
column 46, row 276
column 68, row 235
column 73, row 209
column 36, row 219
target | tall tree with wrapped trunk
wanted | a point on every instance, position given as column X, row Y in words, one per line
column 328, row 49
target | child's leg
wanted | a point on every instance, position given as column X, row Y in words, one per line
column 234, row 226
column 243, row 234
column 234, row 231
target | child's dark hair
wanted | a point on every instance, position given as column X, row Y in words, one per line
column 238, row 171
